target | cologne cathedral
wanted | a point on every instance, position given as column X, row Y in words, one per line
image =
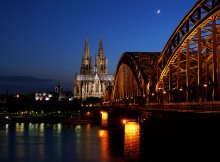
column 92, row 81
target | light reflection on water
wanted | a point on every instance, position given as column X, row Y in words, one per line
column 132, row 141
column 43, row 142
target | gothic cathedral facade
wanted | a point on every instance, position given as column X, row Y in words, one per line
column 92, row 81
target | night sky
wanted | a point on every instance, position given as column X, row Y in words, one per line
column 42, row 41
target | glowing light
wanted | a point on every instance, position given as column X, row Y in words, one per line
column 131, row 128
column 78, row 127
column 102, row 133
column 88, row 113
column 59, row 126
column 124, row 121
column 104, row 115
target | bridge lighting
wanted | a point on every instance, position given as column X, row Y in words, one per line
column 124, row 121
column 103, row 133
column 104, row 115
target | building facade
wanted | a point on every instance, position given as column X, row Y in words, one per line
column 92, row 81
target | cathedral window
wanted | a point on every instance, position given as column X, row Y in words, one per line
column 97, row 88
column 102, row 68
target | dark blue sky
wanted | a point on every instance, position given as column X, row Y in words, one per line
column 45, row 38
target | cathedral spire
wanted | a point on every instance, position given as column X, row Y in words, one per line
column 100, row 60
column 86, row 49
column 101, row 50
column 86, row 67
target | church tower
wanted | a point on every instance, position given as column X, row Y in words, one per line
column 89, row 84
column 100, row 60
column 86, row 67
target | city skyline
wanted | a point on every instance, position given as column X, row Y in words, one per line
column 45, row 40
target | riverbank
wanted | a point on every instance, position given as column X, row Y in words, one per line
column 50, row 120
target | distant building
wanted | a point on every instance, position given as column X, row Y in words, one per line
column 62, row 95
column 92, row 83
column 59, row 88
column 43, row 96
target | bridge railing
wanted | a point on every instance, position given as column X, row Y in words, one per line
column 199, row 107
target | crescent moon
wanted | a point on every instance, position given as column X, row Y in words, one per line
column 158, row 11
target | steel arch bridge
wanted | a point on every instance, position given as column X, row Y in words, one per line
column 135, row 75
column 187, row 69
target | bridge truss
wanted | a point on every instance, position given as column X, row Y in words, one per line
column 188, row 68
column 189, row 65
column 134, row 77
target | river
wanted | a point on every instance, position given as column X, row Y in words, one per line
column 153, row 140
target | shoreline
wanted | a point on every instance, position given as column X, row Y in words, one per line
column 49, row 120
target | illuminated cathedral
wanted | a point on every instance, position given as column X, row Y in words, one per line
column 92, row 81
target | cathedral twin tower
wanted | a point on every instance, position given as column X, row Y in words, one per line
column 92, row 82
column 100, row 66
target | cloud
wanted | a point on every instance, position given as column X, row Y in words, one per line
column 25, row 84
column 24, row 79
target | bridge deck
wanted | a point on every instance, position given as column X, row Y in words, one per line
column 194, row 107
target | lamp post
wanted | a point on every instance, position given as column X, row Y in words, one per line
column 205, row 88
column 164, row 95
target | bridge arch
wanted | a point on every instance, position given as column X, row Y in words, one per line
column 189, row 65
column 135, row 74
column 187, row 69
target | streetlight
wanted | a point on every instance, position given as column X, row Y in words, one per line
column 205, row 87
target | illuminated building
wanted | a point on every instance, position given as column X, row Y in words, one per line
column 43, row 96
column 92, row 83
